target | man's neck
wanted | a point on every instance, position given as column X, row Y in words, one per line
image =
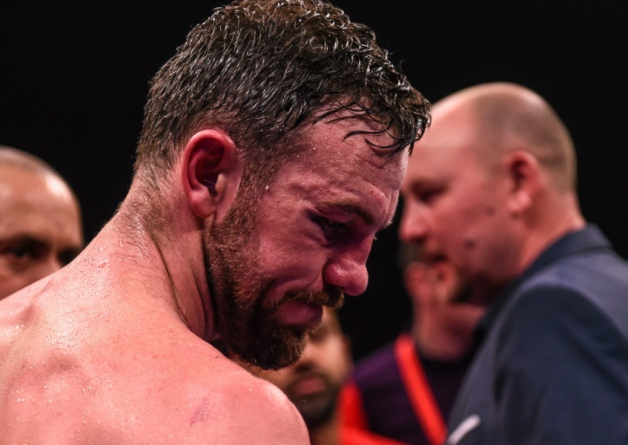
column 168, row 268
column 553, row 218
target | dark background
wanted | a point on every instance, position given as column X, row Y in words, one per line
column 74, row 76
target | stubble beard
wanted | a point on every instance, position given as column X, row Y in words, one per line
column 240, row 293
column 319, row 409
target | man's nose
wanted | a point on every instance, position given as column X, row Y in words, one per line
column 347, row 269
column 413, row 226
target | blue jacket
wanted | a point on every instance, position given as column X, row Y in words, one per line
column 553, row 364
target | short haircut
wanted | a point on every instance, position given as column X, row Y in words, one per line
column 261, row 68
column 512, row 117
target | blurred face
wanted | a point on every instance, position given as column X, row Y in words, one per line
column 40, row 227
column 303, row 243
column 455, row 205
column 439, row 294
column 313, row 383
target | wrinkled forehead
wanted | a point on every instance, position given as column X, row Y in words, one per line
column 364, row 141
column 336, row 165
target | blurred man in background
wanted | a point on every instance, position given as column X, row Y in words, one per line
column 406, row 390
column 40, row 220
column 492, row 189
column 313, row 384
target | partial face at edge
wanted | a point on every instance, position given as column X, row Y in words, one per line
column 40, row 227
column 314, row 382
column 278, row 258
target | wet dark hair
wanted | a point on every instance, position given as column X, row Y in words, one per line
column 261, row 68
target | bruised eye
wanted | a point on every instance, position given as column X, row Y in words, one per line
column 333, row 230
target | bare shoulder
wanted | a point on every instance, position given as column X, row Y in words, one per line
column 199, row 396
column 246, row 409
column 129, row 382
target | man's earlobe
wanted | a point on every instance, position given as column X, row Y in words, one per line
column 210, row 171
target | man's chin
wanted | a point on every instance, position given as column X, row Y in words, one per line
column 275, row 351
column 316, row 411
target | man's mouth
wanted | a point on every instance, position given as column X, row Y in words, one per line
column 435, row 258
column 308, row 385
column 299, row 315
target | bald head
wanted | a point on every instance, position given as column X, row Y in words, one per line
column 40, row 221
column 490, row 184
column 509, row 117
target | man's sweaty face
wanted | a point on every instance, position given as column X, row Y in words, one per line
column 279, row 257
column 40, row 227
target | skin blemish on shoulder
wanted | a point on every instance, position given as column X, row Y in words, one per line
column 469, row 243
column 489, row 210
column 201, row 412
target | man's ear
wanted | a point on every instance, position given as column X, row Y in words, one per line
column 525, row 177
column 211, row 172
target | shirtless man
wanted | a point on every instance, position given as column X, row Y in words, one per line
column 40, row 220
column 272, row 151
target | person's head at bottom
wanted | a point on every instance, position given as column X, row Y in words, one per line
column 313, row 383
column 40, row 220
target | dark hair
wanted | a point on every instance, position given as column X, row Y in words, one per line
column 261, row 68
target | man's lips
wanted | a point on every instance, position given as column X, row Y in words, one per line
column 298, row 314
column 307, row 385
column 434, row 257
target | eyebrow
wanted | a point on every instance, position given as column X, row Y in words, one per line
column 364, row 214
column 66, row 255
column 29, row 240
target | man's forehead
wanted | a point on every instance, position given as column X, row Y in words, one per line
column 444, row 147
column 353, row 124
column 19, row 183
column 365, row 210
column 37, row 221
column 13, row 178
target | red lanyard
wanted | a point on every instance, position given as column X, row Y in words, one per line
column 419, row 391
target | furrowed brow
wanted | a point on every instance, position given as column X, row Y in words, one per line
column 367, row 217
